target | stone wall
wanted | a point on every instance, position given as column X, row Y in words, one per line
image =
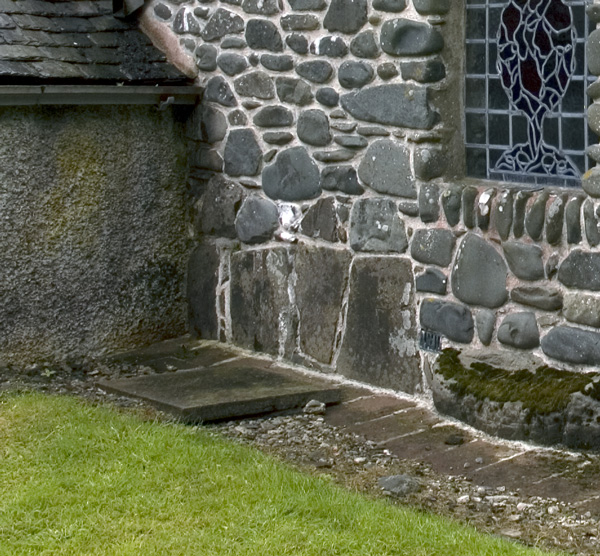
column 332, row 219
column 93, row 235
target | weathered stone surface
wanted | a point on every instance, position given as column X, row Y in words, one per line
column 206, row 124
column 432, row 280
column 221, row 23
column 231, row 63
column 341, row 178
column 339, row 155
column 328, row 96
column 277, row 63
column 376, row 226
column 313, row 128
column 519, row 330
column 519, row 213
column 255, row 84
column 257, row 219
column 405, row 37
column 380, row 342
column 503, row 214
column 534, row 221
column 469, row 195
column 430, row 163
column 333, row 47
column 308, row 5
column 582, row 308
column 393, row 6
column 397, row 104
column 572, row 345
column 206, row 57
column 218, row 208
column 298, row 43
column 262, row 34
column 433, row 246
column 294, row 91
column 365, row 45
column 299, row 22
column 573, row 220
column 320, row 220
column 162, row 11
column 485, row 321
column 451, row 203
column 399, row 485
column 237, row 117
column 524, row 260
column 429, row 202
column 207, row 159
column 479, row 273
column 261, row 7
column 293, row 176
column 218, row 90
column 261, row 315
column 354, row 75
column 277, row 137
column 591, row 223
column 242, row 153
column 273, row 116
column 554, row 221
column 484, row 208
column 317, row 71
column 322, row 277
column 385, row 167
column 409, row 208
column 351, row 141
column 545, row 298
column 387, row 70
column 429, row 71
column 432, row 7
column 202, row 282
column 236, row 43
column 581, row 270
column 452, row 320
column 346, row 16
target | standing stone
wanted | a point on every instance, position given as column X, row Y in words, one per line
column 294, row 91
column 469, row 195
column 313, row 128
column 554, row 221
column 519, row 330
column 221, row 23
column 242, row 153
column 232, row 64
column 582, row 309
column 519, row 213
column 262, row 34
column 320, row 220
column 202, row 282
column 261, row 7
column 484, row 208
column 433, row 280
column 294, row 176
column 257, row 219
column 452, row 320
column 218, row 90
column 524, row 260
column 322, row 275
column 581, row 270
column 404, row 37
column 256, row 84
column 298, row 43
column 591, row 224
column 479, row 273
column 220, row 203
column 364, row 45
column 385, row 167
column 206, row 57
column 433, row 246
column 354, row 75
column 333, row 47
column 317, row 71
column 545, row 298
column 380, row 340
column 346, row 16
column 393, row 6
column 503, row 214
column 375, row 225
column 572, row 345
column 573, row 220
column 274, row 116
column 341, row 178
column 485, row 321
column 429, row 206
column 534, row 221
column 451, row 203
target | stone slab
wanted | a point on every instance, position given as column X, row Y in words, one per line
column 227, row 392
column 366, row 408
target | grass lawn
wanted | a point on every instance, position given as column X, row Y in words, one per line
column 77, row 479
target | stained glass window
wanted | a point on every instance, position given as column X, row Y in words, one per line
column 525, row 91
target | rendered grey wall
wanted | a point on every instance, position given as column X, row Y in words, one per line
column 93, row 241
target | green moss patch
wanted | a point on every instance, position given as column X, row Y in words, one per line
column 543, row 390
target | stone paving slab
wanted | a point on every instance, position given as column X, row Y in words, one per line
column 365, row 408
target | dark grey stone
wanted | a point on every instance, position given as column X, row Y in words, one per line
column 430, row 163
column 573, row 220
column 405, row 37
column 451, row 203
column 251, row 104
column 262, row 34
column 591, row 223
column 341, row 178
column 519, row 330
column 236, row 43
column 354, row 75
column 364, row 45
column 343, row 126
column 293, row 176
column 503, row 214
column 399, row 485
column 307, row 5
column 207, row 159
column 346, row 16
column 328, row 96
column 220, row 203
column 351, row 141
column 243, row 154
column 452, row 320
column 582, row 308
column 432, row 7
column 201, row 12
column 432, row 280
column 545, row 298
column 393, row 6
column 429, row 202
column 188, row 44
column 231, row 63
column 372, row 131
column 322, row 275
column 206, row 57
column 302, row 22
column 273, row 116
column 479, row 273
column 554, row 221
column 320, row 220
column 534, row 220
column 333, row 47
column 192, row 24
column 218, row 90
column 207, row 124
column 222, row 22
column 277, row 63
column 469, row 196
column 484, row 208
column 397, row 104
column 317, row 71
column 429, row 71
column 237, row 117
column 375, row 225
column 387, row 70
column 298, row 43
column 581, row 270
column 293, row 91
column 269, row 155
column 257, row 219
column 524, row 260
column 162, row 11
column 202, row 282
column 572, row 345
column 433, row 246
column 409, row 208
column 485, row 321
column 380, row 342
column 339, row 155
column 385, row 167
column 552, row 266
column 519, row 213
column 277, row 137
column 179, row 23
column 313, row 128
column 261, row 7
column 256, row 84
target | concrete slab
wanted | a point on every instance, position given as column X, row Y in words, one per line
column 225, row 392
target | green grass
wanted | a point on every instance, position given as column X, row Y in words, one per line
column 78, row 479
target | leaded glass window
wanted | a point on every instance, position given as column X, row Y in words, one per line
column 525, row 91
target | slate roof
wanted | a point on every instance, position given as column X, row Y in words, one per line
column 76, row 41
